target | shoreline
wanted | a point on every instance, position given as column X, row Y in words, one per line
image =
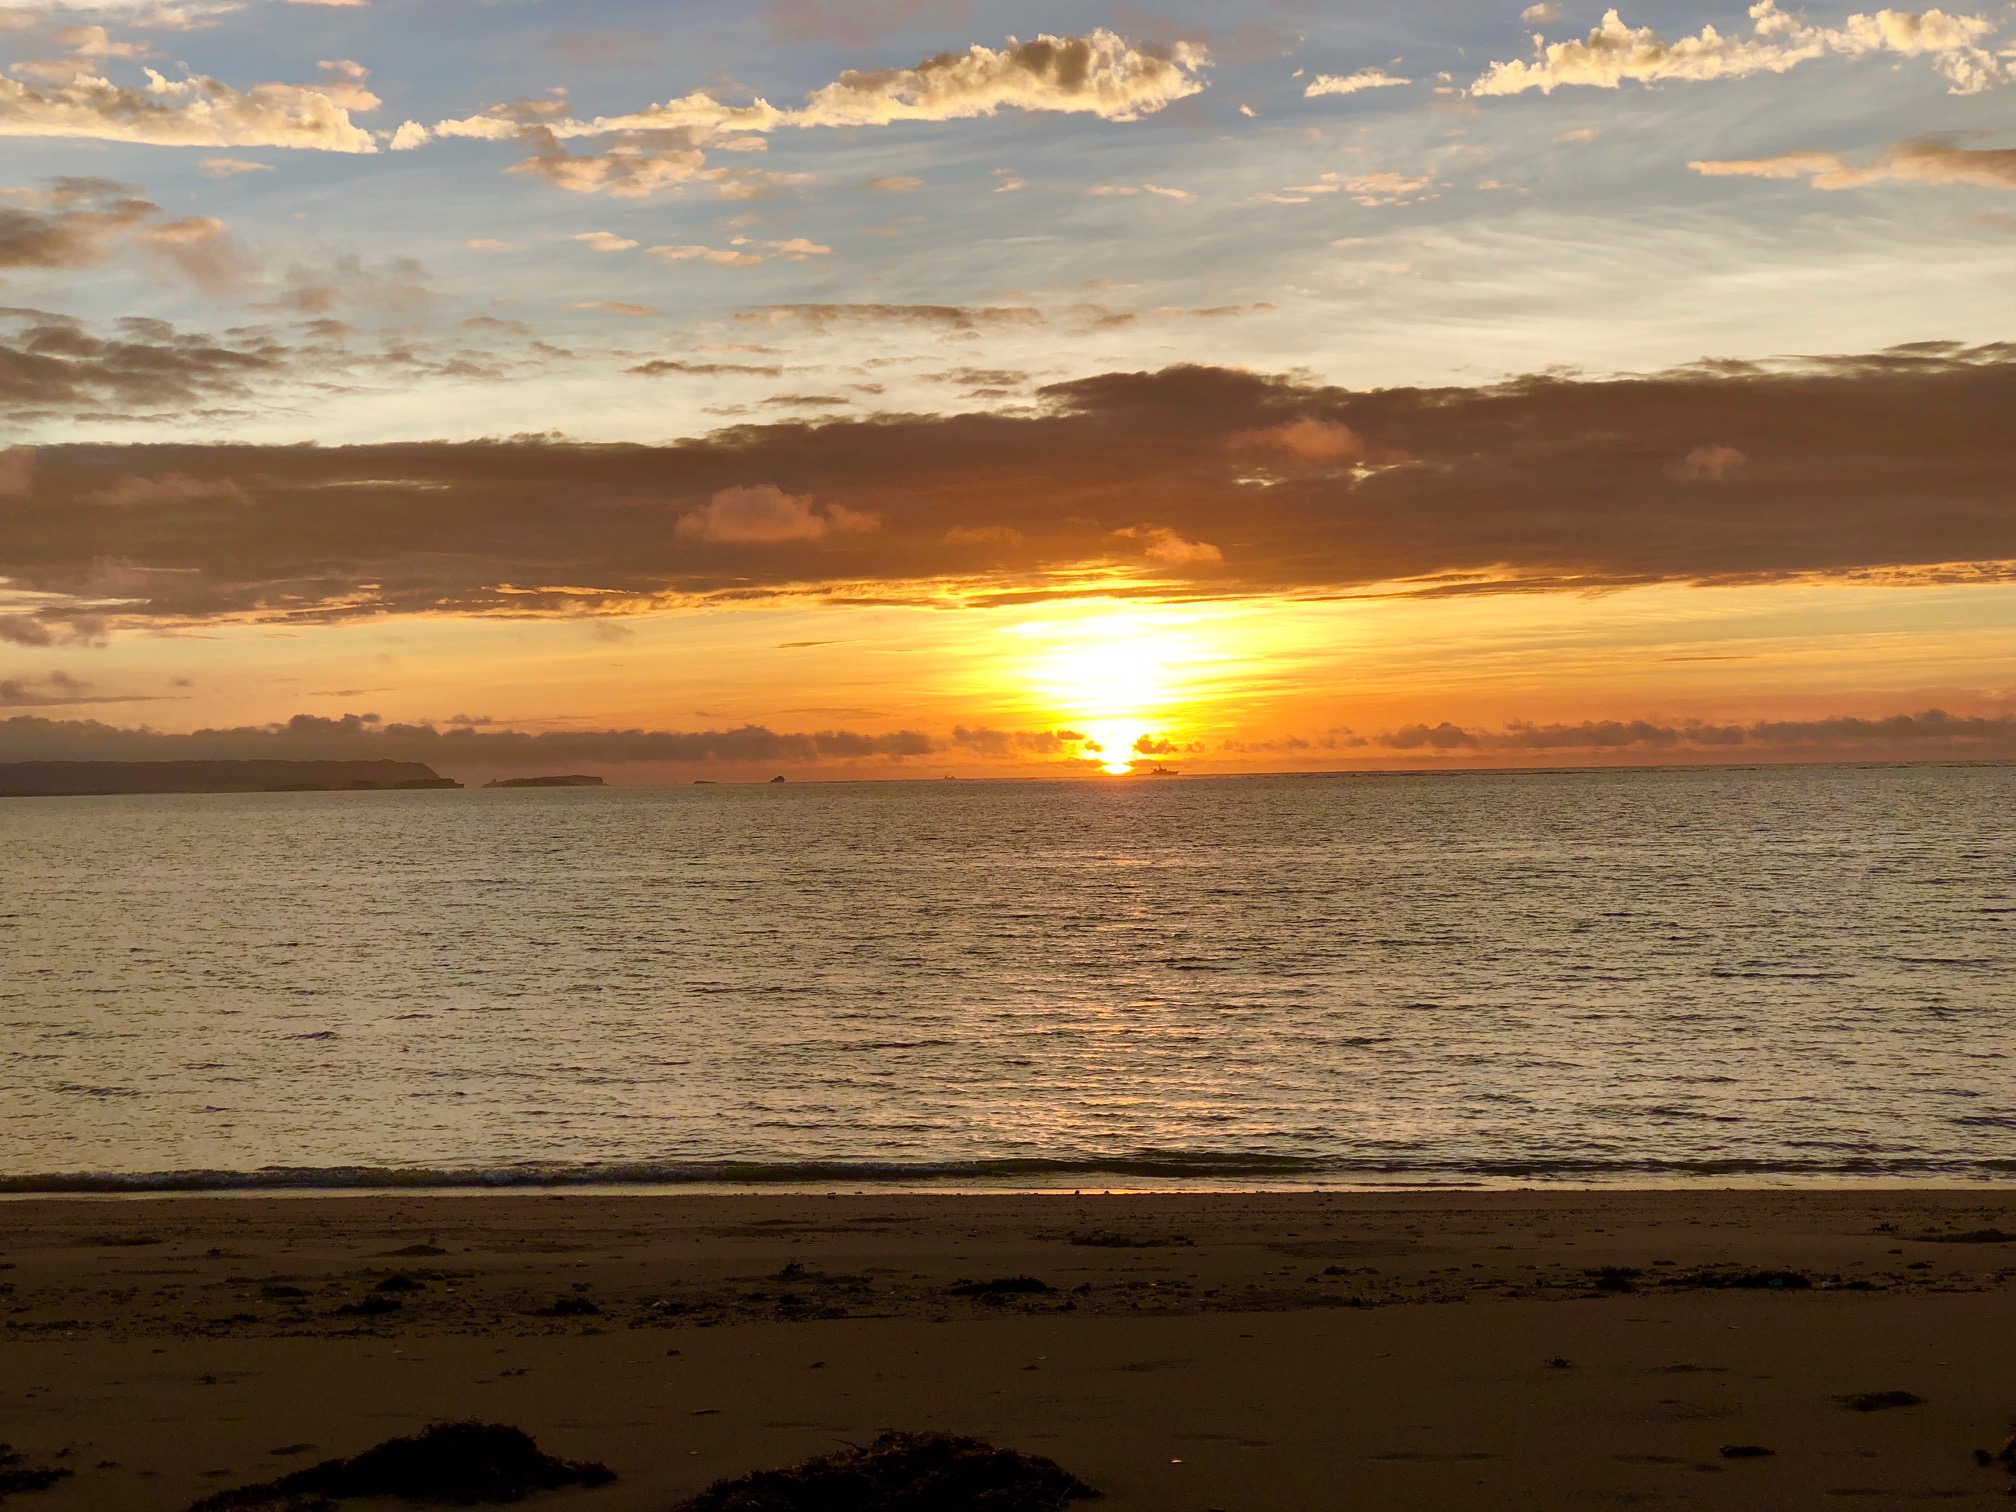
column 1185, row 1351
column 1481, row 1186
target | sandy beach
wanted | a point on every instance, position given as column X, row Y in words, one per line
column 1252, row 1353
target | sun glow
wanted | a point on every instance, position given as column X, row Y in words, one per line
column 1118, row 680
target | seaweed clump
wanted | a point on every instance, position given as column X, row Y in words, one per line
column 1879, row 1401
column 16, row 1475
column 458, row 1463
column 903, row 1472
column 1003, row 1286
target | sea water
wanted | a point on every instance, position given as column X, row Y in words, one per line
column 1760, row 973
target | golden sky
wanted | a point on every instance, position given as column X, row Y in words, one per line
column 932, row 388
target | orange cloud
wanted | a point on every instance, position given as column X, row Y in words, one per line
column 765, row 515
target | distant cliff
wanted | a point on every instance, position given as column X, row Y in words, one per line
column 520, row 782
column 50, row 779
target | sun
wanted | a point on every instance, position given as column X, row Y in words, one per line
column 1114, row 678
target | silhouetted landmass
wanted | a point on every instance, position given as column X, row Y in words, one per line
column 543, row 782
column 75, row 779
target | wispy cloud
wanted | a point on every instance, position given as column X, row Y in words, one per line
column 1924, row 161
column 1352, row 83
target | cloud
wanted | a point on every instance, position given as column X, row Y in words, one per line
column 393, row 287
column 191, row 112
column 605, row 241
column 54, row 367
column 366, row 737
column 1709, row 464
column 766, row 515
column 895, row 183
column 1884, row 468
column 344, row 80
column 1127, row 191
column 169, row 488
column 57, row 690
column 80, row 222
column 36, row 630
column 230, row 167
column 660, row 367
column 1344, row 84
column 1166, row 546
column 201, row 250
column 1100, row 73
column 626, row 170
column 1372, row 190
column 1924, row 161
column 744, row 253
column 615, row 307
column 69, row 223
column 951, row 317
column 986, row 741
column 1778, row 42
column 660, row 147
column 1932, row 732
column 1306, row 440
column 55, row 363
column 1542, row 14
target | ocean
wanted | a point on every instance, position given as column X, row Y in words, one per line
column 1695, row 975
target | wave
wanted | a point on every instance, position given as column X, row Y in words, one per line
column 1235, row 1169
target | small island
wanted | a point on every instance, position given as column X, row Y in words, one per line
column 545, row 782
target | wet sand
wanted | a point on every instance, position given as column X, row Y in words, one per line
column 1252, row 1353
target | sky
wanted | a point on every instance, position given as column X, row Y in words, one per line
column 922, row 388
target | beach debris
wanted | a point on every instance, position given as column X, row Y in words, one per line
column 400, row 1282
column 1002, row 1286
column 461, row 1464
column 370, row 1307
column 1719, row 1277
column 1560, row 1362
column 1879, row 1401
column 1614, row 1278
column 1113, row 1239
column 903, row 1472
column 1746, row 1451
column 568, row 1307
column 118, row 1241
column 1971, row 1236
column 18, row 1476
column 414, row 1251
column 2005, row 1456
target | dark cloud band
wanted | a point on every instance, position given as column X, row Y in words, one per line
column 1190, row 481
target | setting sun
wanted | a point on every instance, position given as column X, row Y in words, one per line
column 1115, row 678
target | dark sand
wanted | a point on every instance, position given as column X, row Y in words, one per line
column 1297, row 1353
